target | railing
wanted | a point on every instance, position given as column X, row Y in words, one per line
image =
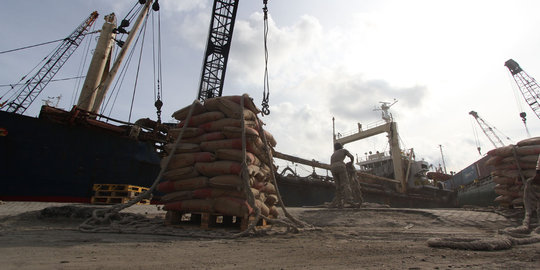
column 366, row 127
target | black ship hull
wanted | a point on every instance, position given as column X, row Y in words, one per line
column 42, row 160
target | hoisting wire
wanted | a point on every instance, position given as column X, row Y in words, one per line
column 158, row 92
column 82, row 65
column 476, row 139
column 522, row 113
column 266, row 86
column 138, row 67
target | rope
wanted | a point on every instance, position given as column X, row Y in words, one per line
column 138, row 67
column 516, row 236
column 517, row 164
column 298, row 222
column 89, row 224
column 266, row 86
column 109, row 220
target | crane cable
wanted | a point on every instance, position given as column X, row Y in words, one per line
column 266, row 86
column 476, row 139
column 158, row 91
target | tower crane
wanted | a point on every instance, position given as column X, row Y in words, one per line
column 217, row 48
column 33, row 86
column 527, row 85
column 488, row 130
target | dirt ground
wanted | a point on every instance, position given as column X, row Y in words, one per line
column 366, row 238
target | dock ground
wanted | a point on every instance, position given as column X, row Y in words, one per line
column 365, row 238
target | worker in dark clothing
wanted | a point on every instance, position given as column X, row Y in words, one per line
column 341, row 178
column 531, row 196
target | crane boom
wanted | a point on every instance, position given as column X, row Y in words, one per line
column 488, row 130
column 217, row 48
column 527, row 85
column 33, row 86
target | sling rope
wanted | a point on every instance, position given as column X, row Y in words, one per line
column 111, row 221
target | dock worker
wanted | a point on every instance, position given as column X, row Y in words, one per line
column 531, row 196
column 339, row 172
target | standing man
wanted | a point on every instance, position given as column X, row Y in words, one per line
column 341, row 179
column 531, row 196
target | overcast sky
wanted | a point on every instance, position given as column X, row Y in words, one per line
column 438, row 59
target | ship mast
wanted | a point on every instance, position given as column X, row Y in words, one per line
column 99, row 66
column 104, row 87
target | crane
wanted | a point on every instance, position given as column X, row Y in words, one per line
column 488, row 130
column 33, row 86
column 217, row 48
column 527, row 85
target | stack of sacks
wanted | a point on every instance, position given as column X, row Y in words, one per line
column 204, row 173
column 506, row 173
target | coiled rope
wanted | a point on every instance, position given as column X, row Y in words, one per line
column 515, row 236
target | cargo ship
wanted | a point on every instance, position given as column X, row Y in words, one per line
column 474, row 185
column 60, row 155
column 394, row 178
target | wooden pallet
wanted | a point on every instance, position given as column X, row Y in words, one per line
column 114, row 200
column 210, row 220
column 118, row 187
column 116, row 193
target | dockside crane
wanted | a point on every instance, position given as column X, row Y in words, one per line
column 488, row 131
column 528, row 86
column 33, row 86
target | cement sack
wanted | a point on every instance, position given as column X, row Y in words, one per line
column 517, row 201
column 514, row 173
column 202, row 118
column 185, row 184
column 236, row 155
column 514, row 166
column 494, row 160
column 274, row 212
column 529, row 141
column 248, row 102
column 529, row 159
column 180, row 173
column 189, row 132
column 270, row 138
column 205, row 193
column 212, row 136
column 271, row 199
column 236, row 132
column 177, row 196
column 182, row 148
column 252, row 146
column 232, row 206
column 218, row 125
column 507, row 151
column 504, row 199
column 228, row 107
column 195, row 205
column 504, row 180
column 182, row 113
column 219, row 167
column 265, row 211
column 227, row 181
column 187, row 159
column 268, row 188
